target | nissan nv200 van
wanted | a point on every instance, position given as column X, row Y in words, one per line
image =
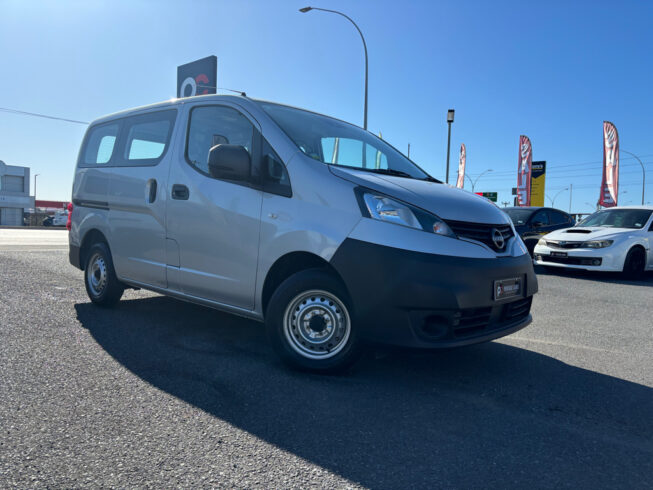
column 314, row 226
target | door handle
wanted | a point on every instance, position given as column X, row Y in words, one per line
column 180, row 192
column 152, row 193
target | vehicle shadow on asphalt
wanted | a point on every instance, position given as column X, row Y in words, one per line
column 607, row 277
column 491, row 415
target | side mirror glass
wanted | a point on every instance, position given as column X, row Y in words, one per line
column 229, row 162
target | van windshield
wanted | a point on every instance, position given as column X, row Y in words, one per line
column 339, row 143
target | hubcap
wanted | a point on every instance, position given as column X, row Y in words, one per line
column 96, row 274
column 316, row 324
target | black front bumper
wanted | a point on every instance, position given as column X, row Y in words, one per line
column 426, row 300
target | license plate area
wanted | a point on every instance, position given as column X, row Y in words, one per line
column 507, row 288
column 558, row 254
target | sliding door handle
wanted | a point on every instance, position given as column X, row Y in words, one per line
column 180, row 192
column 152, row 192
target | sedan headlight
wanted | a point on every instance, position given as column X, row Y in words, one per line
column 541, row 242
column 597, row 243
column 377, row 206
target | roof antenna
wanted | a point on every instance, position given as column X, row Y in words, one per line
column 240, row 92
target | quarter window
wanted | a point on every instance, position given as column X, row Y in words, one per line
column 216, row 125
column 100, row 143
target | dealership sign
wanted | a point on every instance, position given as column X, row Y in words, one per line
column 525, row 160
column 610, row 181
column 198, row 77
column 461, row 167
column 538, row 176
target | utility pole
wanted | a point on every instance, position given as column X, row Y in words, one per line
column 505, row 203
column 409, row 155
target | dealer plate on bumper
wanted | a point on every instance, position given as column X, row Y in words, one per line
column 507, row 288
column 558, row 254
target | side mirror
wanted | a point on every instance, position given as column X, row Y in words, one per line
column 229, row 162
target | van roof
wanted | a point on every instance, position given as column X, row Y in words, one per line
column 165, row 104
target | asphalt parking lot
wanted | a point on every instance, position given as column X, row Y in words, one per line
column 160, row 393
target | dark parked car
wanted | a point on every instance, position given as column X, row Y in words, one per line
column 534, row 222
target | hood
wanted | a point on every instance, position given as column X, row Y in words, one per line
column 585, row 233
column 445, row 201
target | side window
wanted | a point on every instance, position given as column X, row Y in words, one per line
column 558, row 218
column 215, row 125
column 100, row 143
column 541, row 217
column 274, row 176
column 146, row 137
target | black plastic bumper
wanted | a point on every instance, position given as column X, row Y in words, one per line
column 426, row 300
column 73, row 256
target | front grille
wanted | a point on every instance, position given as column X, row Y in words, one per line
column 517, row 309
column 563, row 244
column 472, row 320
column 482, row 232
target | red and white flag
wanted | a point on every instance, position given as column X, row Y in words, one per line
column 524, row 171
column 461, row 167
column 610, row 182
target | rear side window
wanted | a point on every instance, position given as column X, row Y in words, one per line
column 147, row 137
column 558, row 218
column 131, row 141
column 100, row 143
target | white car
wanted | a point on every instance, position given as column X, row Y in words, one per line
column 615, row 239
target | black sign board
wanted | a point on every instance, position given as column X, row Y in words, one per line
column 197, row 77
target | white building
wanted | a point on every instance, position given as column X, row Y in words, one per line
column 14, row 194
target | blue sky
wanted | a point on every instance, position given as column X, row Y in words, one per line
column 551, row 70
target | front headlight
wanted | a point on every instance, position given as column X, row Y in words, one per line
column 597, row 243
column 384, row 208
column 541, row 242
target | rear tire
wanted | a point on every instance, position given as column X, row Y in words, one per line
column 310, row 323
column 635, row 263
column 102, row 285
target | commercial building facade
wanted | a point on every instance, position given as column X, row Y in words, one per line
column 14, row 194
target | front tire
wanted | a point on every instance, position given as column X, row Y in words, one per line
column 635, row 263
column 102, row 285
column 310, row 323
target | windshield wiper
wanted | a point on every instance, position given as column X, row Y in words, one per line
column 390, row 171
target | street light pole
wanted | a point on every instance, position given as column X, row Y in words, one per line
column 473, row 182
column 643, row 172
column 553, row 201
column 450, row 114
column 307, row 9
column 35, row 176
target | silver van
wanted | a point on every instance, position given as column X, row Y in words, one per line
column 320, row 229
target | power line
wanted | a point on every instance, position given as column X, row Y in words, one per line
column 35, row 114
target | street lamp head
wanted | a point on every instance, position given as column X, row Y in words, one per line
column 450, row 113
column 305, row 9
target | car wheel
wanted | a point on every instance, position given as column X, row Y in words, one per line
column 310, row 323
column 634, row 263
column 102, row 285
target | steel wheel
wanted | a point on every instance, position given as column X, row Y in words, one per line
column 316, row 324
column 96, row 274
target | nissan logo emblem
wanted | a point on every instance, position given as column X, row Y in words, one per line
column 497, row 239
